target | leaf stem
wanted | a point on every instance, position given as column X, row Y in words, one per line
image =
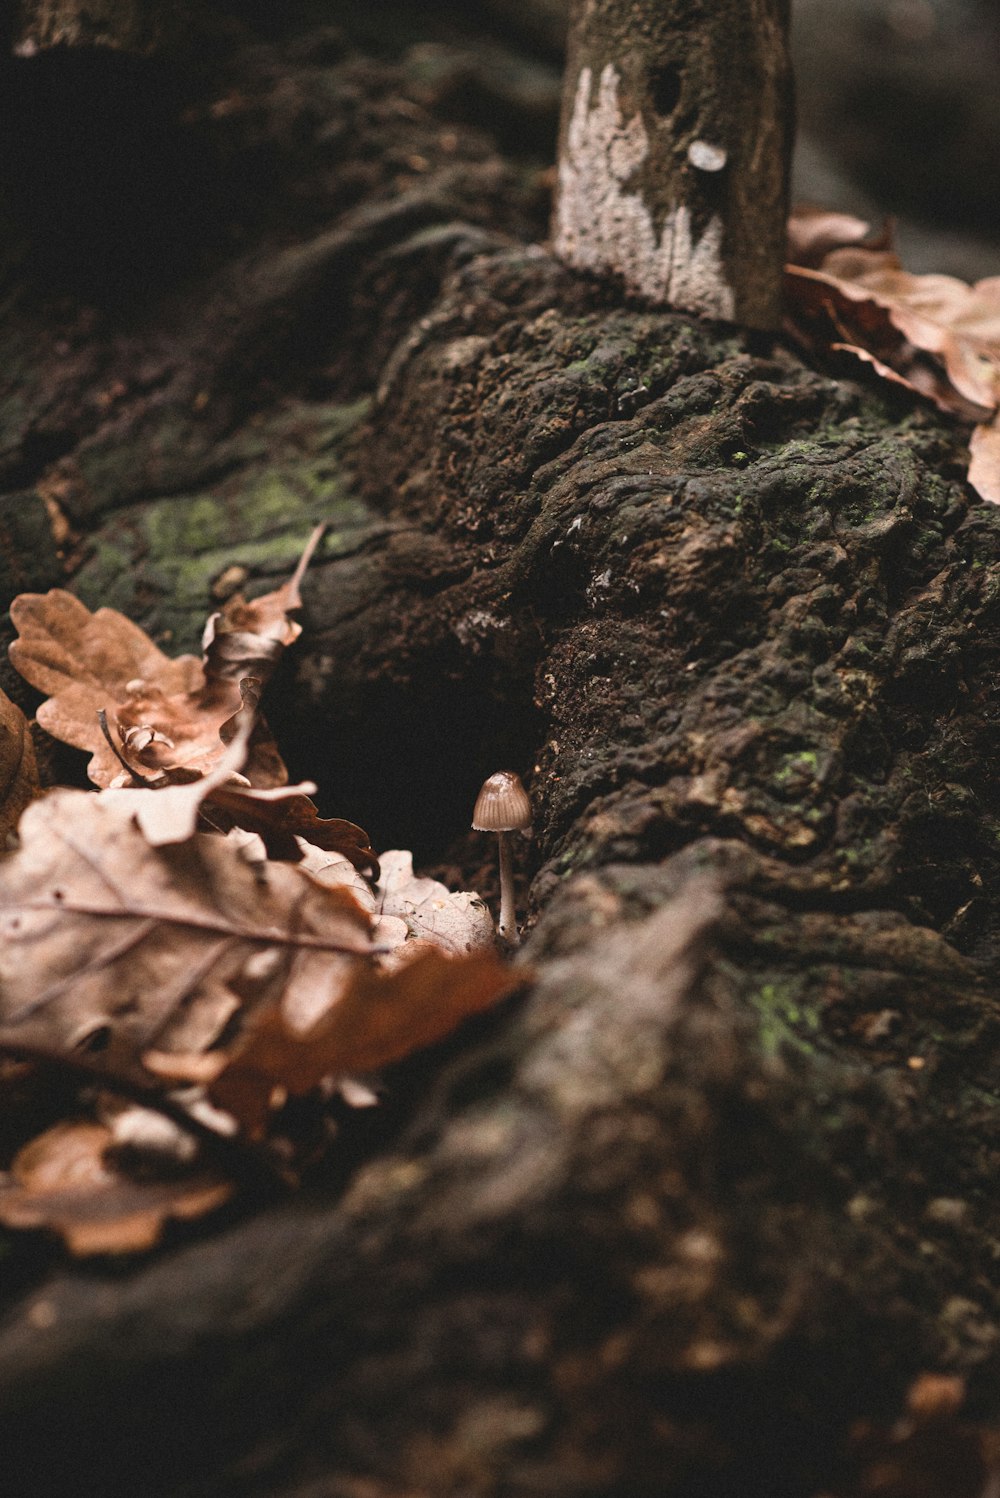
column 135, row 775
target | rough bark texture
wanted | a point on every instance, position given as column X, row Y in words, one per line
column 137, row 26
column 723, row 1181
column 675, row 149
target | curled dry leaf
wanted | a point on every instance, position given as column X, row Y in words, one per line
column 813, row 232
column 405, row 907
column 248, row 639
column 86, row 662
column 18, row 771
column 934, row 334
column 377, row 1019
column 221, row 800
column 103, row 935
column 457, row 921
column 283, row 817
column 167, row 809
column 984, row 467
column 168, row 713
column 66, row 1180
column 941, row 315
column 264, row 765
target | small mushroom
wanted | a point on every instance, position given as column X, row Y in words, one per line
column 502, row 806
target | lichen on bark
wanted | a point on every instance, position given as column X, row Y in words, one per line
column 600, row 225
column 674, row 152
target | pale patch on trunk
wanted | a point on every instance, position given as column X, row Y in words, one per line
column 599, row 226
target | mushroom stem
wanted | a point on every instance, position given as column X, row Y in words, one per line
column 507, row 924
column 501, row 806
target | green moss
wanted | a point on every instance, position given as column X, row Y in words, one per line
column 797, row 768
column 107, row 578
column 783, row 1018
column 196, row 524
column 14, row 415
column 157, row 561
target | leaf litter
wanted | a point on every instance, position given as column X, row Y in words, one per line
column 19, row 784
column 935, row 334
column 192, row 944
column 169, row 714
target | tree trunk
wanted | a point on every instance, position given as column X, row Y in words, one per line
column 722, row 1182
column 674, row 151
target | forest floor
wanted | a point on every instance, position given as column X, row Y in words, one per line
column 693, row 1215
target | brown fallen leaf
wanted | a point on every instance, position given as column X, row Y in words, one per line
column 102, row 935
column 18, row 770
column 812, row 232
column 220, row 800
column 407, row 908
column 264, row 765
column 984, row 467
column 248, row 639
column 86, row 662
column 941, row 315
column 934, row 334
column 173, row 813
column 66, row 1180
column 825, row 320
column 169, row 714
column 283, row 817
column 457, row 921
column 377, row 1019
column 821, row 316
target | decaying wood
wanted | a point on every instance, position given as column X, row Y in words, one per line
column 134, row 26
column 723, row 1181
column 675, row 149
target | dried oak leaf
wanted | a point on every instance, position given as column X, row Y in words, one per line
column 283, row 817
column 826, row 320
column 169, row 714
column 18, row 771
column 66, row 1180
column 457, row 921
column 102, row 935
column 86, row 662
column 182, row 801
column 941, row 315
column 378, row 1018
column 812, row 232
column 406, row 907
column 248, row 638
column 984, row 464
column 935, row 334
column 264, row 765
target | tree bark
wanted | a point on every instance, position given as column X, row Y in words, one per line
column 134, row 26
column 674, row 151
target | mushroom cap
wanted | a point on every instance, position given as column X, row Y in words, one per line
column 502, row 805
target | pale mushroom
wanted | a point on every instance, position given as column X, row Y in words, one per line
column 502, row 806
